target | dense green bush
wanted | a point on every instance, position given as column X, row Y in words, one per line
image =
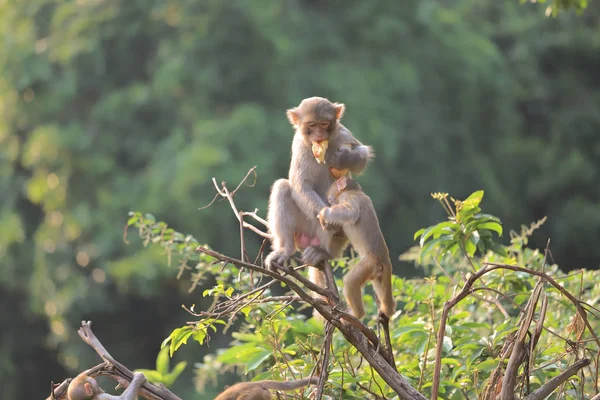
column 276, row 342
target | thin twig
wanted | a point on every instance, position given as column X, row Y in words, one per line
column 224, row 192
column 324, row 375
column 372, row 393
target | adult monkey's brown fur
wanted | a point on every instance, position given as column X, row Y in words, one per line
column 294, row 202
column 353, row 210
column 84, row 387
column 259, row 390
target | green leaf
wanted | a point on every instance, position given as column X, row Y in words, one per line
column 257, row 360
column 246, row 310
column 451, row 361
column 172, row 377
column 162, row 361
column 418, row 233
column 459, row 316
column 150, row 219
column 151, row 375
column 492, row 226
column 470, row 247
column 199, row 337
column 486, row 217
column 473, row 200
column 133, row 220
column 181, row 339
column 432, row 244
column 487, row 365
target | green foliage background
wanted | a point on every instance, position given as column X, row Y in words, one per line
column 108, row 106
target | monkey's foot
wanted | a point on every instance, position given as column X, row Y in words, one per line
column 314, row 255
column 384, row 319
column 276, row 257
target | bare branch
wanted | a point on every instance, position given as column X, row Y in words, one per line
column 509, row 382
column 544, row 391
column 148, row 390
column 224, row 192
column 324, row 375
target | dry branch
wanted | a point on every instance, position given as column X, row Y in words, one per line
column 113, row 369
column 519, row 350
column 224, row 192
column 547, row 388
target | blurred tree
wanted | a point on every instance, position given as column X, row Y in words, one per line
column 131, row 104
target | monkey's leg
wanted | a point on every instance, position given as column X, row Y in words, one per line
column 332, row 245
column 282, row 216
column 383, row 289
column 354, row 281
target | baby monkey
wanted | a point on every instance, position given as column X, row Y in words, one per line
column 353, row 210
column 259, row 390
column 84, row 387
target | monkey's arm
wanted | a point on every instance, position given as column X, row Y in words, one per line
column 339, row 214
column 131, row 393
column 350, row 153
column 303, row 181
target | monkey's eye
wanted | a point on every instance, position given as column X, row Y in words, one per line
column 312, row 124
column 325, row 124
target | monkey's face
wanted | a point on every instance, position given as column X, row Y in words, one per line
column 316, row 119
column 316, row 129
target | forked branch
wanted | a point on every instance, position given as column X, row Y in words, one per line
column 113, row 369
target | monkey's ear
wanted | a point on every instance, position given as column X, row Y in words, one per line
column 293, row 116
column 339, row 110
column 87, row 387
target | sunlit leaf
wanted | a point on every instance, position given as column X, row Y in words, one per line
column 492, row 226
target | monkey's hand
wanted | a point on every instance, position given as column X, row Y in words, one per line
column 139, row 378
column 322, row 216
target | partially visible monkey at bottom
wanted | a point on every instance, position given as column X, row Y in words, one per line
column 259, row 390
column 84, row 387
column 353, row 210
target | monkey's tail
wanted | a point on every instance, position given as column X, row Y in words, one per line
column 289, row 385
column 383, row 287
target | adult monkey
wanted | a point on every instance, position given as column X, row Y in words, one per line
column 295, row 202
